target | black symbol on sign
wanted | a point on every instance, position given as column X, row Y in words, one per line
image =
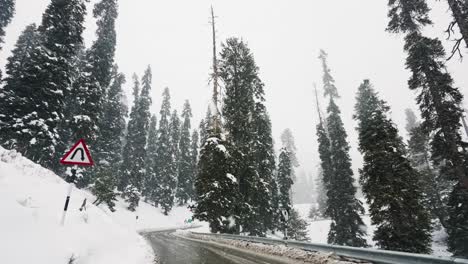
column 82, row 154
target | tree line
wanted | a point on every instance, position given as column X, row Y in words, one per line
column 56, row 91
column 410, row 187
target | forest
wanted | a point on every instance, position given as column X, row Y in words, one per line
column 54, row 91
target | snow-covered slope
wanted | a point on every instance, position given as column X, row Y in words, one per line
column 31, row 204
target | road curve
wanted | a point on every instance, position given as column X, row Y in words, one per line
column 173, row 249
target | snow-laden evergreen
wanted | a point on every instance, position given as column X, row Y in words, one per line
column 344, row 209
column 389, row 182
column 435, row 189
column 7, row 10
column 150, row 180
column 244, row 92
column 47, row 80
column 134, row 152
column 185, row 162
column 440, row 105
column 165, row 166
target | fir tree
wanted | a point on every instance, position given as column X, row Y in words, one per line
column 342, row 206
column 239, row 74
column 439, row 102
column 347, row 227
column 7, row 10
column 321, row 195
column 287, row 139
column 284, row 180
column 112, row 125
column 185, row 173
column 329, row 87
column 297, row 227
column 150, row 181
column 134, row 155
column 165, row 163
column 390, row 184
column 95, row 75
column 104, row 187
column 193, row 163
column 48, row 72
column 15, row 94
column 263, row 152
column 175, row 139
column 435, row 189
column 215, row 187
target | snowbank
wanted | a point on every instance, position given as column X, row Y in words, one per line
column 32, row 200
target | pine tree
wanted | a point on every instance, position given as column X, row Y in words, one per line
column 110, row 141
column 175, row 139
column 165, row 163
column 287, row 139
column 216, row 188
column 48, row 72
column 266, row 209
column 347, row 227
column 284, row 180
column 193, row 163
column 321, row 195
column 112, row 125
column 15, row 94
column 244, row 88
column 7, row 10
column 150, row 182
column 104, row 187
column 297, row 227
column 134, row 155
column 435, row 188
column 342, row 206
column 390, row 184
column 89, row 90
column 439, row 102
column 185, row 173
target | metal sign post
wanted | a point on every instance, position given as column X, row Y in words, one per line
column 71, row 180
column 78, row 155
column 285, row 218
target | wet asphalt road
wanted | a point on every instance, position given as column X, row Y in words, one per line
column 172, row 249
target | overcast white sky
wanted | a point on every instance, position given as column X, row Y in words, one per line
column 285, row 37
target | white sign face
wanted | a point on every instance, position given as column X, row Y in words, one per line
column 78, row 155
column 285, row 214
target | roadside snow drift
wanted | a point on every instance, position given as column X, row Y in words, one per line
column 31, row 203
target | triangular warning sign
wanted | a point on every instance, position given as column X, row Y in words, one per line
column 78, row 155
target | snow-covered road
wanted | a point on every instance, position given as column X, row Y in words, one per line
column 171, row 248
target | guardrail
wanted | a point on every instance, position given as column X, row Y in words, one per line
column 367, row 254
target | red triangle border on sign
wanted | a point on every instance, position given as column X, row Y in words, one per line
column 91, row 162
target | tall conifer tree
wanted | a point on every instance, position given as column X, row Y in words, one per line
column 347, row 227
column 185, row 173
column 150, row 181
column 134, row 155
column 439, row 102
column 49, row 70
column 216, row 187
column 7, row 10
column 390, row 184
column 165, row 163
